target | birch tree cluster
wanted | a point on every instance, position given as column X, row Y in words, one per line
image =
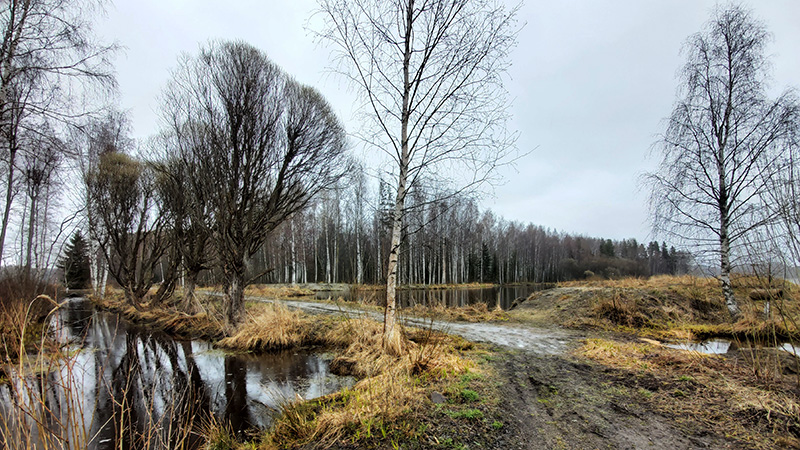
column 344, row 235
column 52, row 69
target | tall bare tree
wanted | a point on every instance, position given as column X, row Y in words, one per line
column 47, row 52
column 724, row 143
column 430, row 74
column 106, row 134
column 189, row 217
column 41, row 162
column 122, row 192
column 261, row 144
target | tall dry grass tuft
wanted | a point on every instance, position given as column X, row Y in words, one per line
column 22, row 319
column 272, row 327
column 217, row 435
column 43, row 404
column 390, row 389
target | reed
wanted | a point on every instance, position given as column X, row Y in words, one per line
column 45, row 405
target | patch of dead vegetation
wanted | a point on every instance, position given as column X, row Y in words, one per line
column 271, row 327
column 666, row 307
column 203, row 325
column 478, row 312
column 279, row 291
column 386, row 403
column 714, row 392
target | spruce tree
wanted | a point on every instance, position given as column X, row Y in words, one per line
column 75, row 263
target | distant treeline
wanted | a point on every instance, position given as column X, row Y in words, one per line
column 344, row 238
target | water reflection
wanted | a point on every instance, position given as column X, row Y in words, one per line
column 451, row 297
column 711, row 347
column 791, row 349
column 126, row 387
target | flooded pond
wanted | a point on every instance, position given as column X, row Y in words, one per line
column 124, row 383
column 451, row 297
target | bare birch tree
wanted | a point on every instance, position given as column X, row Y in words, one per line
column 47, row 53
column 261, row 144
column 724, row 142
column 41, row 163
column 430, row 75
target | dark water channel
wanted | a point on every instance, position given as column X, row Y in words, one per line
column 165, row 384
column 503, row 295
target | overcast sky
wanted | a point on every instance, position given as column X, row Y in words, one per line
column 591, row 83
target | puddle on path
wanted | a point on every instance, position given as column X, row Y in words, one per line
column 711, row 347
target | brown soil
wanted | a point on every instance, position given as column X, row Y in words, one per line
column 554, row 402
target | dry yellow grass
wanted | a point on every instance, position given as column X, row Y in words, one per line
column 278, row 291
column 478, row 312
column 271, row 327
column 390, row 387
column 689, row 283
column 655, row 282
column 718, row 392
column 22, row 325
column 669, row 307
column 202, row 325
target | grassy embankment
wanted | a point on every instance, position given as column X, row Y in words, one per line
column 667, row 307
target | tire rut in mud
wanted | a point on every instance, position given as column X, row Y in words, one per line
column 555, row 402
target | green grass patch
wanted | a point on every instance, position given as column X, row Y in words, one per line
column 470, row 396
column 470, row 414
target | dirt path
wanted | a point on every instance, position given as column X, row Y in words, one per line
column 555, row 402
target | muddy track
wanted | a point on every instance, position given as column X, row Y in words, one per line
column 556, row 402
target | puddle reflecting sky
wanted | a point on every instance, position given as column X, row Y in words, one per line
column 711, row 347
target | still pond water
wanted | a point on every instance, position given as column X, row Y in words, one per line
column 451, row 297
column 163, row 381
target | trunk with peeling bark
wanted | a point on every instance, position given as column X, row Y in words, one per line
column 392, row 342
column 725, row 275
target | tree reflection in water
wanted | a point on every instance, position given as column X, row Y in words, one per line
column 134, row 388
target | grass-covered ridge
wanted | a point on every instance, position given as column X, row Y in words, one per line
column 668, row 307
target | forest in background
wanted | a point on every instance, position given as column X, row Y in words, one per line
column 344, row 237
